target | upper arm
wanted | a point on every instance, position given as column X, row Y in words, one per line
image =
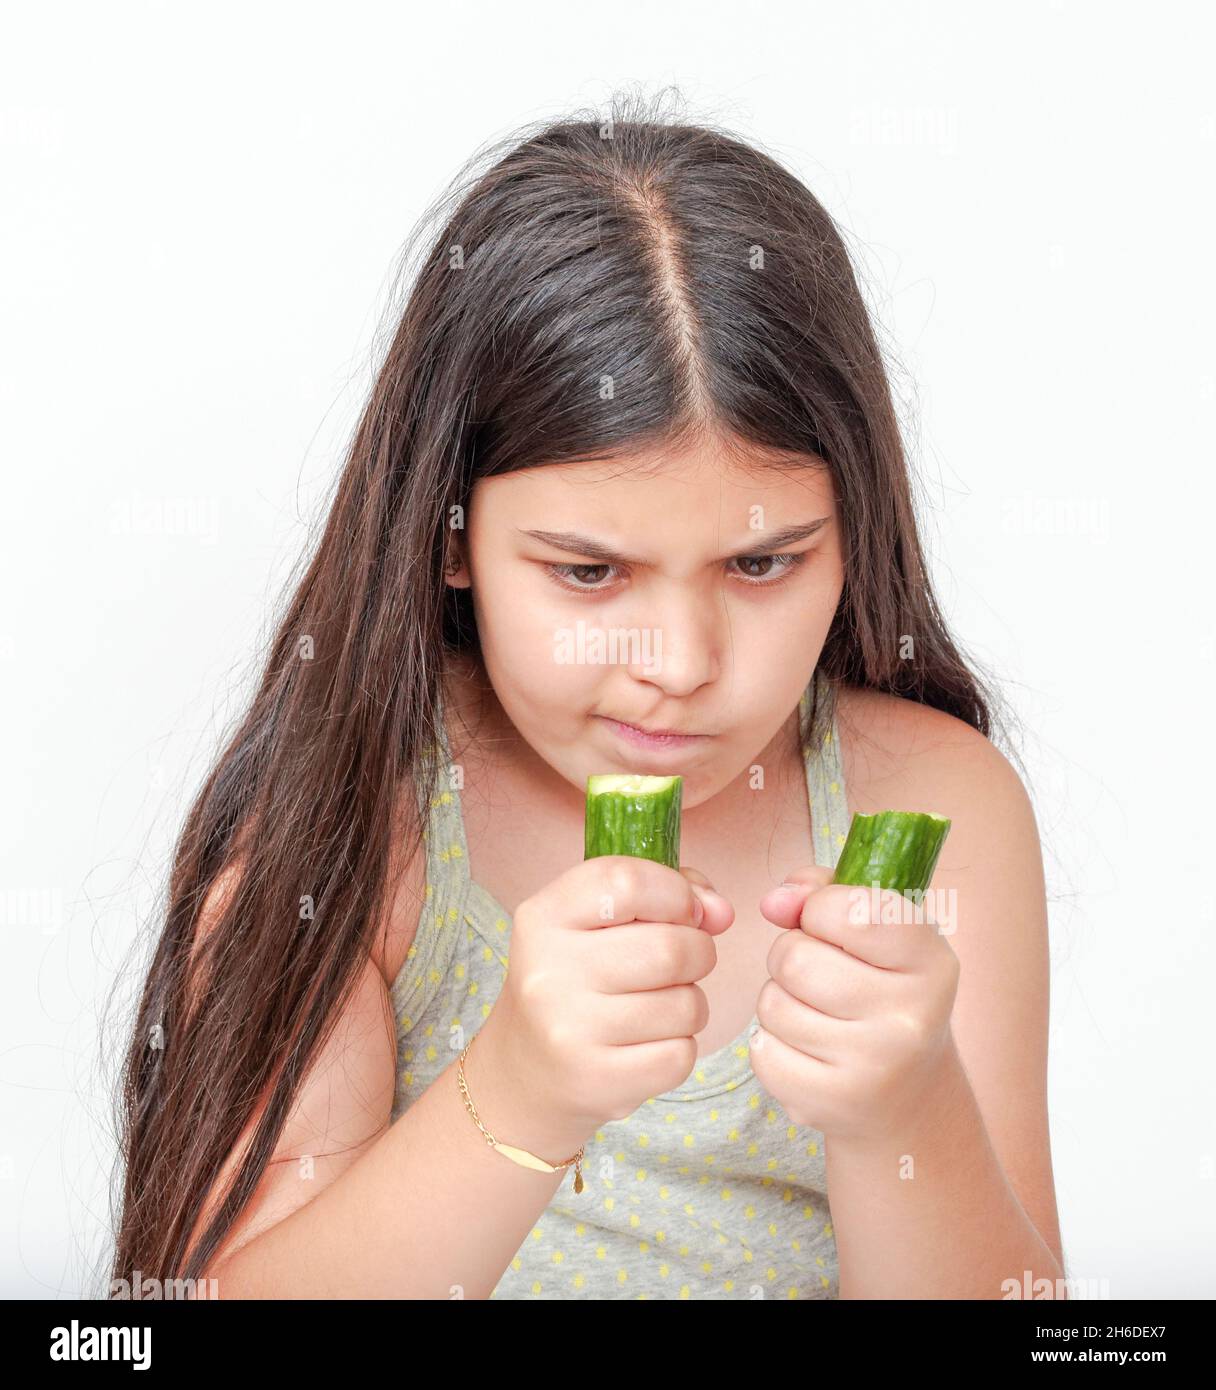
column 991, row 871
column 988, row 894
column 342, row 1106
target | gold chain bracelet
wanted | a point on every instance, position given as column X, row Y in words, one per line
column 520, row 1156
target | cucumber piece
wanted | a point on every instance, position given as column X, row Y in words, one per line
column 895, row 849
column 638, row 815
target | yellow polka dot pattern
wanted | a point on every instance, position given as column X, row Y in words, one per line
column 706, row 1192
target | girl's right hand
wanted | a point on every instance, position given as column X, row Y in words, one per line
column 599, row 1006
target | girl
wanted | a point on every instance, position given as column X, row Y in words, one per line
column 628, row 496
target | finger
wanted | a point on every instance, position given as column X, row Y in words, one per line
column 879, row 926
column 611, row 889
column 718, row 912
column 822, row 976
column 782, row 905
column 651, row 955
column 798, row 1026
column 822, row 1087
column 680, row 1011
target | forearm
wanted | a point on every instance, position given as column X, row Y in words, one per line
column 427, row 1210
column 929, row 1212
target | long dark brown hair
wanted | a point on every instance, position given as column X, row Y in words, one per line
column 703, row 278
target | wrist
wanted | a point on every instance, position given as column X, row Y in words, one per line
column 939, row 1102
column 512, row 1108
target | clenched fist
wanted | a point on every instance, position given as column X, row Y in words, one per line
column 855, row 1017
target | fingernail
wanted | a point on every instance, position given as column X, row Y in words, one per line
column 698, row 911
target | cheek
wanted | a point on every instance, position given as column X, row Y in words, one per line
column 516, row 612
column 536, row 652
column 807, row 621
column 831, row 583
column 778, row 633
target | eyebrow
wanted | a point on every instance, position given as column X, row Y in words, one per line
column 604, row 554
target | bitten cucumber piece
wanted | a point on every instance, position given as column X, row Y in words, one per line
column 633, row 814
column 895, row 849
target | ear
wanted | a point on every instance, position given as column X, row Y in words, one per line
column 456, row 571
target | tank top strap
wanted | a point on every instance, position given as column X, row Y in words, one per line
column 824, row 771
column 433, row 950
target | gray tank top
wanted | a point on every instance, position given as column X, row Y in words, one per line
column 707, row 1191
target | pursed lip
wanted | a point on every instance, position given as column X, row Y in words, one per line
column 652, row 733
column 657, row 733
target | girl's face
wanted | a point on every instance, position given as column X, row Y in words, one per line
column 665, row 597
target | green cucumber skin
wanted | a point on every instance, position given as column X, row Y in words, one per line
column 645, row 826
column 895, row 849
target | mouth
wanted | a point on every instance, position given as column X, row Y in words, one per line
column 651, row 738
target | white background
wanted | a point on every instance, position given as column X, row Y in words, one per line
column 202, row 211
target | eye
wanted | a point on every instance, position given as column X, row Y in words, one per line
column 563, row 574
column 784, row 564
column 580, row 578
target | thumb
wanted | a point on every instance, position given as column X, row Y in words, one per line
column 783, row 905
column 719, row 914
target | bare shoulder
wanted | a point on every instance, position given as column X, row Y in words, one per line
column 891, row 726
column 897, row 754
column 893, row 747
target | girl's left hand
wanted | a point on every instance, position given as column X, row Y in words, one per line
column 855, row 1018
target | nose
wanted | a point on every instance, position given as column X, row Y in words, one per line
column 679, row 653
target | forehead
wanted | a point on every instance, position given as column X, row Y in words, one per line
column 665, row 485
